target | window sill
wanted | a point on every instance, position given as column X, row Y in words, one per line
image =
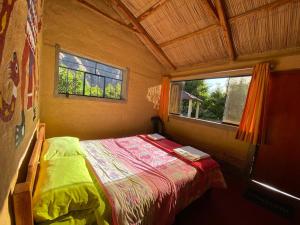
column 205, row 122
column 90, row 98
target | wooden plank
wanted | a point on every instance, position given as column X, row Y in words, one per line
column 22, row 196
column 95, row 9
column 22, row 199
column 225, row 28
column 261, row 8
column 186, row 36
column 151, row 10
column 152, row 44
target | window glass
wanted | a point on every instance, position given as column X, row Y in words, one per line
column 236, row 98
column 216, row 99
column 84, row 77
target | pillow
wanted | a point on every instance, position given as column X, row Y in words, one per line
column 58, row 147
column 155, row 137
column 63, row 185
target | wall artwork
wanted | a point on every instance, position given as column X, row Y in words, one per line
column 8, row 98
column 28, row 68
column 19, row 47
column 18, row 78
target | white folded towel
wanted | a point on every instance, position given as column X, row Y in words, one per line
column 191, row 153
column 155, row 137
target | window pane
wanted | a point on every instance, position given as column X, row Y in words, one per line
column 94, row 85
column 113, row 88
column 62, row 80
column 80, row 76
column 71, row 82
column 214, row 99
column 76, row 63
column 236, row 97
column 118, row 89
column 204, row 99
column 175, row 97
column 109, row 71
column 217, row 99
column 79, row 82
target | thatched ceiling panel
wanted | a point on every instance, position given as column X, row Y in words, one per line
column 177, row 18
column 137, row 7
column 237, row 7
column 197, row 49
column 274, row 29
column 189, row 32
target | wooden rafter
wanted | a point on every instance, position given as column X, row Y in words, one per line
column 210, row 9
column 240, row 62
column 183, row 37
column 154, row 46
column 225, row 28
column 151, row 10
column 264, row 7
column 94, row 8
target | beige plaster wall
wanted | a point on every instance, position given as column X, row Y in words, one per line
column 79, row 30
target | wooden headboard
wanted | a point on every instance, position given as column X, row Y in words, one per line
column 22, row 196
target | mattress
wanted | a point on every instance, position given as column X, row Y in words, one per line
column 144, row 182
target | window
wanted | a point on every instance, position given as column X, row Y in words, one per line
column 84, row 77
column 219, row 100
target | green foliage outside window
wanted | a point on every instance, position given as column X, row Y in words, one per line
column 72, row 82
column 212, row 104
column 222, row 99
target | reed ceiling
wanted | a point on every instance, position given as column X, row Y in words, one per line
column 183, row 33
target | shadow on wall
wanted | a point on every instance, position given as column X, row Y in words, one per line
column 153, row 96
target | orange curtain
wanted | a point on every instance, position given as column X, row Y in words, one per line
column 251, row 127
column 164, row 98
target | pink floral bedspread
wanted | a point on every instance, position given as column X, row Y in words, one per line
column 145, row 184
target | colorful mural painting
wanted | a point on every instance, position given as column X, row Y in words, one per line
column 26, row 76
column 7, row 108
column 28, row 66
column 19, row 109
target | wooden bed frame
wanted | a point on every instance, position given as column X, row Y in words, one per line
column 22, row 195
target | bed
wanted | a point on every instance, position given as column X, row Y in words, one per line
column 141, row 181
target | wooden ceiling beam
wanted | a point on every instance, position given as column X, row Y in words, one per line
column 151, row 10
column 186, row 36
column 274, row 56
column 261, row 8
column 94, row 8
column 210, row 9
column 154, row 46
column 226, row 29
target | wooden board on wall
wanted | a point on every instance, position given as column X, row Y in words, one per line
column 277, row 162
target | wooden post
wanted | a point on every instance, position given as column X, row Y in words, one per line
column 197, row 110
column 190, row 107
